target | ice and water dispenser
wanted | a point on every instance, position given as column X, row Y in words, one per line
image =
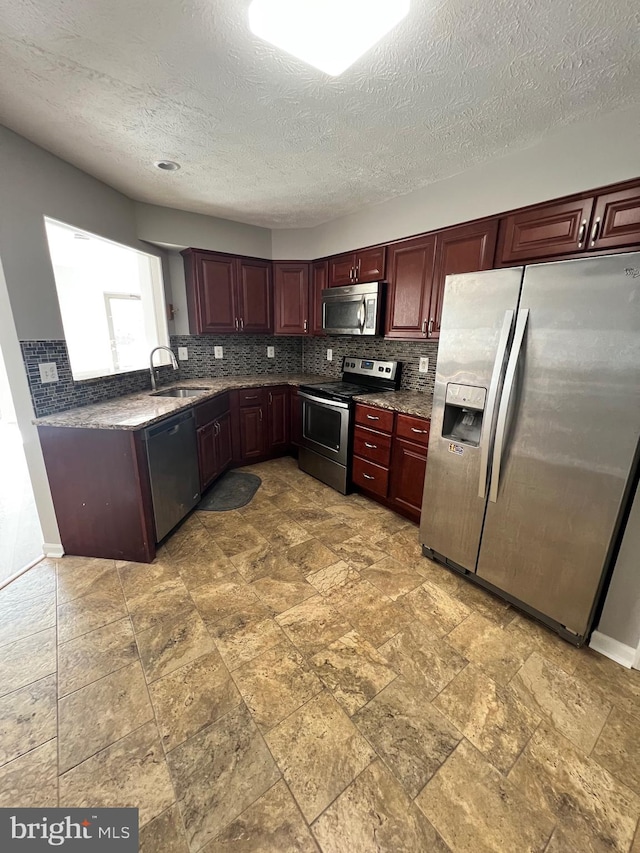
column 463, row 413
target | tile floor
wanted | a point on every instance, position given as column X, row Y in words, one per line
column 295, row 676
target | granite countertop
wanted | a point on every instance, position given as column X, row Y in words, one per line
column 140, row 410
column 416, row 403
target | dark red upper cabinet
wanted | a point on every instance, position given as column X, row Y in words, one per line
column 465, row 248
column 410, row 275
column 616, row 220
column 254, row 296
column 291, row 298
column 319, row 275
column 227, row 294
column 357, row 267
column 546, row 231
column 211, row 296
column 341, row 269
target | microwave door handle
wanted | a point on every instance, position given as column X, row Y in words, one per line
column 362, row 314
column 506, row 401
column 488, row 421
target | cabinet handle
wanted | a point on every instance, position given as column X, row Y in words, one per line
column 237, row 325
column 371, row 446
column 368, row 477
column 424, row 327
column 270, row 398
column 581, row 233
column 421, row 431
column 216, row 427
column 260, row 414
column 373, row 417
column 255, row 397
column 306, row 325
column 594, row 231
column 241, row 324
column 430, row 329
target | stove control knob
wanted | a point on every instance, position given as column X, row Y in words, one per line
column 388, row 369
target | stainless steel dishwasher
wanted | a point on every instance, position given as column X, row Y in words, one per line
column 172, row 454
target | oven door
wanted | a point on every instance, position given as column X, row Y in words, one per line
column 325, row 427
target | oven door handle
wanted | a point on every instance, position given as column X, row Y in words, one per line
column 323, row 401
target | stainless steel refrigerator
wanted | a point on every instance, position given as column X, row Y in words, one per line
column 535, row 431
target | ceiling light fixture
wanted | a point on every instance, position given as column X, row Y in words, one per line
column 167, row 165
column 328, row 34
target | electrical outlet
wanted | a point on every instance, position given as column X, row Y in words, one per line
column 424, row 364
column 329, row 355
column 48, row 372
column 183, row 354
column 271, row 352
column 217, row 352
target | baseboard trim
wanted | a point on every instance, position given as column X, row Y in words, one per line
column 53, row 550
column 614, row 649
column 20, row 572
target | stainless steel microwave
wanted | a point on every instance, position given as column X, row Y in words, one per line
column 353, row 310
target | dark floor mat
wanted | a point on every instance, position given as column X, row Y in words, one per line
column 232, row 491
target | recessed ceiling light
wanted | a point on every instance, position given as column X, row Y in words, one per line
column 328, row 34
column 167, row 165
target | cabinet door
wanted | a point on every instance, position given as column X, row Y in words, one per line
column 410, row 273
column 341, row 269
column 370, row 264
column 319, row 276
column 254, row 296
column 253, row 429
column 617, row 218
column 224, row 452
column 544, row 232
column 278, row 419
column 467, row 248
column 207, row 459
column 211, row 293
column 291, row 294
column 408, row 466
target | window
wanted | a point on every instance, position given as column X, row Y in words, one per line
column 111, row 300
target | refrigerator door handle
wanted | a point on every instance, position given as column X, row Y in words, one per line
column 505, row 402
column 494, row 387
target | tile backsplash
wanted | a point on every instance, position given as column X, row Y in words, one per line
column 243, row 354
column 51, row 397
column 314, row 358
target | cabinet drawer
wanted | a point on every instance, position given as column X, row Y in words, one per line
column 212, row 409
column 413, row 429
column 374, row 446
column 374, row 418
column 372, row 477
column 251, row 396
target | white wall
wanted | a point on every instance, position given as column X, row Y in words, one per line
column 577, row 158
column 34, row 183
column 169, row 227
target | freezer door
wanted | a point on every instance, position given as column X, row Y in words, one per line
column 477, row 323
column 570, row 435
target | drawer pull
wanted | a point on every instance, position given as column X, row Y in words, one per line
column 373, row 417
column 421, row 431
column 368, row 477
column 255, row 397
column 371, row 446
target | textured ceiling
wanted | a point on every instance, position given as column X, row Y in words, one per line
column 112, row 85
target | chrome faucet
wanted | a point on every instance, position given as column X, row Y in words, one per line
column 152, row 369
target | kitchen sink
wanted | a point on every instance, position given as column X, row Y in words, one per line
column 180, row 392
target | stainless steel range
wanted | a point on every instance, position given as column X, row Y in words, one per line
column 327, row 417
